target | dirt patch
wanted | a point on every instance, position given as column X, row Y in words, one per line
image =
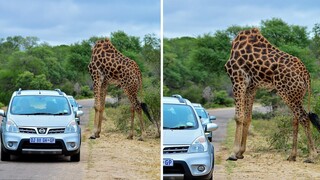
column 113, row 156
column 261, row 163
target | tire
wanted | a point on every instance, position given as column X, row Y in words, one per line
column 75, row 157
column 4, row 155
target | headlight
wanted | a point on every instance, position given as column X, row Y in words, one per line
column 198, row 145
column 72, row 127
column 11, row 127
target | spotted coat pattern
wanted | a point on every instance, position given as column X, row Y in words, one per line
column 255, row 63
column 109, row 66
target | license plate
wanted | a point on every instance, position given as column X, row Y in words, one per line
column 167, row 162
column 44, row 140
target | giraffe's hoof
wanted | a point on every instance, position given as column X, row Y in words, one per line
column 141, row 139
column 291, row 158
column 92, row 137
column 240, row 156
column 232, row 158
column 308, row 161
column 130, row 137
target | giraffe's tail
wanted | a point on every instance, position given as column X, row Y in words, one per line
column 314, row 118
column 146, row 111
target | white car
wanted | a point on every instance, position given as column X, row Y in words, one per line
column 187, row 153
column 40, row 122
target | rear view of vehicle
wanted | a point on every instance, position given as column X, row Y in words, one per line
column 40, row 122
column 204, row 117
column 187, row 154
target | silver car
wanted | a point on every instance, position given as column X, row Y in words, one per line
column 40, row 122
column 75, row 106
column 187, row 153
column 204, row 117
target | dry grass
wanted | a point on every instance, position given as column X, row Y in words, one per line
column 260, row 162
column 113, row 156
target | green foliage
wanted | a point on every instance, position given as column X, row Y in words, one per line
column 222, row 98
column 123, row 118
column 191, row 63
column 28, row 80
column 282, row 134
column 153, row 99
column 86, row 91
column 27, row 64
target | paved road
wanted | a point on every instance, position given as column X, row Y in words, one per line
column 48, row 167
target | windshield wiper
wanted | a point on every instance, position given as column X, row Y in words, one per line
column 60, row 113
column 182, row 127
column 38, row 113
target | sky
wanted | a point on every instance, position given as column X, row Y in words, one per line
column 69, row 21
column 197, row 17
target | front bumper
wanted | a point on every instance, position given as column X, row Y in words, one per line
column 19, row 143
column 186, row 165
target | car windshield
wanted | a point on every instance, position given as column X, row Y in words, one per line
column 202, row 113
column 73, row 102
column 177, row 116
column 40, row 105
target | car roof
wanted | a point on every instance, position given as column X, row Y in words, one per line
column 176, row 99
column 196, row 105
column 39, row 92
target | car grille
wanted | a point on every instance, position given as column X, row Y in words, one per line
column 33, row 130
column 27, row 130
column 173, row 150
column 56, row 131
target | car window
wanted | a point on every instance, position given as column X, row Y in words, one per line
column 73, row 102
column 24, row 105
column 202, row 113
column 177, row 116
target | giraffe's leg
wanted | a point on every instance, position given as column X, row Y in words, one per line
column 239, row 96
column 312, row 150
column 103, row 94
column 132, row 123
column 293, row 154
column 143, row 132
column 97, row 108
column 249, row 98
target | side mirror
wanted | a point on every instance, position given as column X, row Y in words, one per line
column 79, row 113
column 211, row 127
column 2, row 113
column 79, row 106
column 212, row 118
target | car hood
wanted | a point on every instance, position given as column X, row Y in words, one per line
column 41, row 120
column 180, row 137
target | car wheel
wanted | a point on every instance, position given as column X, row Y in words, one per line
column 75, row 158
column 4, row 155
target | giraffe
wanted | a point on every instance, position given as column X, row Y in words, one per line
column 109, row 66
column 255, row 63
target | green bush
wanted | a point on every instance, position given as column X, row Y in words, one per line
column 222, row 98
column 281, row 137
column 123, row 117
column 86, row 92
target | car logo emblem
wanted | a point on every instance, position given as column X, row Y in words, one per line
column 42, row 130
